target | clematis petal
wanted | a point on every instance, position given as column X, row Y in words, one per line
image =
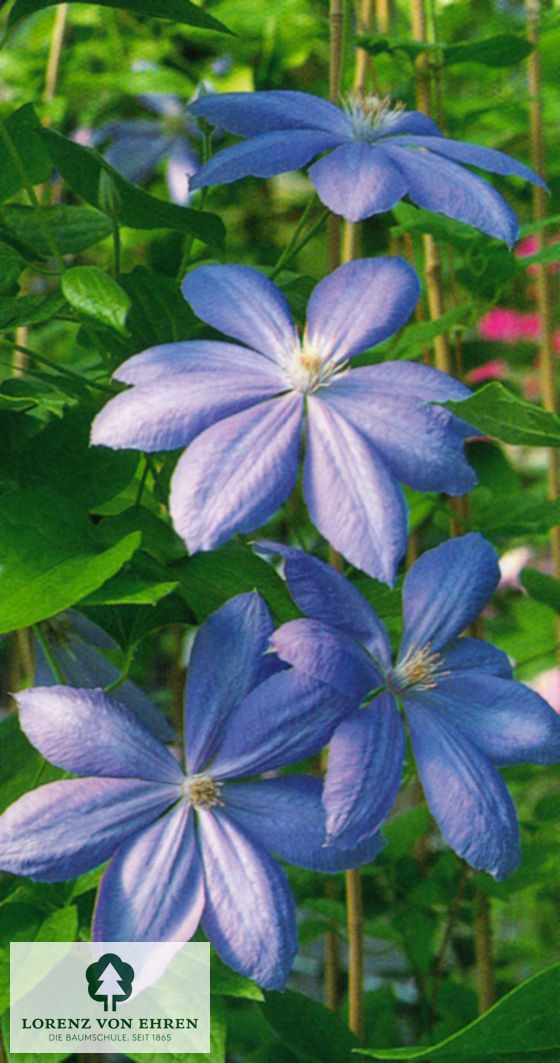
column 237, row 637
column 356, row 181
column 158, row 364
column 88, row 733
column 169, row 414
column 410, row 379
column 286, row 816
column 510, row 723
column 243, row 303
column 328, row 655
column 250, row 914
column 324, row 594
column 181, row 165
column 351, row 495
column 414, row 123
column 445, row 591
column 75, row 645
column 445, row 187
column 466, row 794
column 66, row 828
column 237, row 473
column 472, row 154
column 249, row 113
column 366, row 756
column 153, row 889
column 265, row 156
column 418, row 442
column 285, row 719
column 359, row 305
column 136, row 148
column 469, row 653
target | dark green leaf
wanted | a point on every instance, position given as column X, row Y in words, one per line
column 81, row 169
column 21, row 766
column 177, row 10
column 523, row 1026
column 310, row 1030
column 60, row 457
column 50, row 556
column 94, row 293
column 76, row 228
column 497, row 412
column 129, row 624
column 209, row 580
column 22, row 127
column 504, row 517
column 159, row 312
column 403, row 830
column 543, row 588
column 28, row 310
column 506, row 49
column 11, row 265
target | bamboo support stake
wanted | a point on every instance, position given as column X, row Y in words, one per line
column 544, row 287
column 434, row 287
column 55, row 53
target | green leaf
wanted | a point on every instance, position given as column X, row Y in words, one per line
column 497, row 412
column 50, row 556
column 11, row 265
column 209, row 580
column 228, row 983
column 523, row 1026
column 543, row 588
column 129, row 624
column 28, row 310
column 159, row 312
column 81, row 168
column 76, row 228
column 60, row 457
column 310, row 1030
column 403, row 830
column 94, row 293
column 177, row 10
column 20, row 763
column 23, row 126
column 506, row 49
column 129, row 589
column 502, row 518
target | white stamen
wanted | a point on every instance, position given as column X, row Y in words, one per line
column 202, row 791
column 371, row 116
column 420, row 668
column 310, row 368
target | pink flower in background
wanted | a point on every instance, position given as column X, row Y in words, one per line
column 547, row 684
column 509, row 326
column 528, row 246
column 511, row 563
column 495, row 370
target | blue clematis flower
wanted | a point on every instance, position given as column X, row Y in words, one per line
column 378, row 154
column 465, row 713
column 241, row 409
column 194, row 845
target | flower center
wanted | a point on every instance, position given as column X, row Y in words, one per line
column 309, row 369
column 371, row 116
column 419, row 668
column 202, row 791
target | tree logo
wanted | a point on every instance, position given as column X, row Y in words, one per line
column 110, row 980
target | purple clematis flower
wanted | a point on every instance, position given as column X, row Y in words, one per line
column 464, row 711
column 378, row 154
column 194, row 845
column 241, row 409
column 137, row 145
